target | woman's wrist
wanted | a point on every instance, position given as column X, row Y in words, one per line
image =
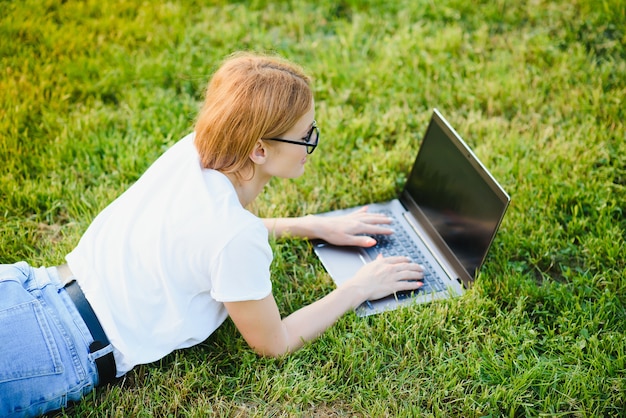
column 312, row 226
column 353, row 292
column 307, row 226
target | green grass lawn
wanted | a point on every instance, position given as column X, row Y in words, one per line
column 91, row 92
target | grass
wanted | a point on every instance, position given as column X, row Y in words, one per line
column 91, row 92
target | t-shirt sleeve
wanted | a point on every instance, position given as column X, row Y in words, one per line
column 242, row 269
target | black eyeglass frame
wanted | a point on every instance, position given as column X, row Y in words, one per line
column 309, row 146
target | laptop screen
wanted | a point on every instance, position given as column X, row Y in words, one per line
column 456, row 194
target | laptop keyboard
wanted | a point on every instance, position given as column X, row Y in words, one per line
column 400, row 244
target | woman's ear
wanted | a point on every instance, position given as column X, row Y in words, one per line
column 259, row 153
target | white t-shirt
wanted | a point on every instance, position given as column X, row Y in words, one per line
column 159, row 261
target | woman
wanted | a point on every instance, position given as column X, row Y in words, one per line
column 164, row 264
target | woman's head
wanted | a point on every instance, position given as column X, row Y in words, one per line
column 248, row 98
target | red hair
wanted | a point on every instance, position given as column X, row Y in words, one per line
column 248, row 98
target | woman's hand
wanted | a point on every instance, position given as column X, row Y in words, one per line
column 352, row 229
column 385, row 276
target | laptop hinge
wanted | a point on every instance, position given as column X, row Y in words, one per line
column 438, row 248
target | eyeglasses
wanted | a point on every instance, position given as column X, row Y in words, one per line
column 310, row 140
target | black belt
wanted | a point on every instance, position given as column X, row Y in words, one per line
column 105, row 364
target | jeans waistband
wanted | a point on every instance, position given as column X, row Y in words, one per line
column 105, row 364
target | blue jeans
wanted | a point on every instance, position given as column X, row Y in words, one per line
column 44, row 344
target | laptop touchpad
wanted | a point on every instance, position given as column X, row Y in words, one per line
column 341, row 263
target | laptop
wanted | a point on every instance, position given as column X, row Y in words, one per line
column 445, row 218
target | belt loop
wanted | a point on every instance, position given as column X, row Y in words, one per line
column 105, row 364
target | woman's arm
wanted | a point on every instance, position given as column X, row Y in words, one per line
column 260, row 324
column 338, row 230
column 263, row 329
